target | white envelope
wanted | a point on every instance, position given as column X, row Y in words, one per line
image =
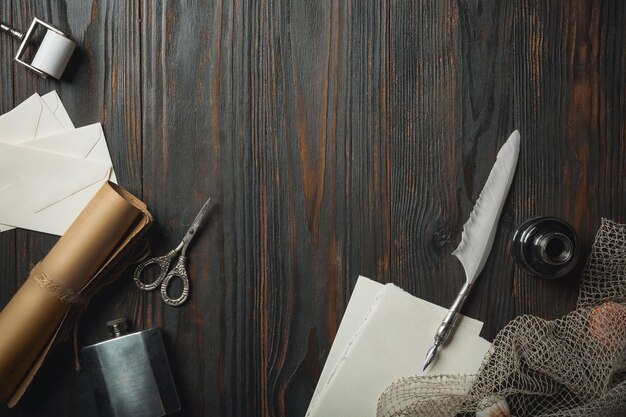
column 39, row 123
column 44, row 178
column 34, row 118
column 53, row 212
column 30, row 120
column 86, row 142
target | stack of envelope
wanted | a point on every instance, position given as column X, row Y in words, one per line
column 384, row 336
column 49, row 170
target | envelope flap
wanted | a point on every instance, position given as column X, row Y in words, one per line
column 21, row 123
column 78, row 143
column 54, row 103
column 45, row 178
column 31, row 119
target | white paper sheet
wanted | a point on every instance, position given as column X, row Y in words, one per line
column 49, row 203
column 384, row 335
column 363, row 296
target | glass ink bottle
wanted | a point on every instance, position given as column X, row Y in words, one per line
column 546, row 247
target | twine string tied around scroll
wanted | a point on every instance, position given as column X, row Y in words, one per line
column 79, row 300
column 61, row 293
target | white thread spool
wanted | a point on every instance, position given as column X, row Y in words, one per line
column 53, row 54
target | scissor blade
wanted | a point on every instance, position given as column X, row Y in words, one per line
column 197, row 223
column 202, row 216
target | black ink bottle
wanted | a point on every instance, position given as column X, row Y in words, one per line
column 546, row 247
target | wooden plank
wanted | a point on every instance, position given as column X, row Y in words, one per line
column 485, row 118
column 105, row 85
column 188, row 121
column 8, row 284
column 488, row 69
column 569, row 88
column 450, row 101
column 262, row 116
column 425, row 153
column 31, row 246
column 100, row 85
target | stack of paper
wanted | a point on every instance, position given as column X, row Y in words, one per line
column 49, row 170
column 384, row 335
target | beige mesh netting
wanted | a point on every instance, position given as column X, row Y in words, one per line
column 574, row 366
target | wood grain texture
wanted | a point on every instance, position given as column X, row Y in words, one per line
column 336, row 138
column 9, row 283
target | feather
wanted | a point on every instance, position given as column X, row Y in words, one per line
column 480, row 229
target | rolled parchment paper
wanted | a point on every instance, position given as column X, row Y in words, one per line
column 31, row 320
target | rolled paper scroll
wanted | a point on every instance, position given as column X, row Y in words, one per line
column 29, row 324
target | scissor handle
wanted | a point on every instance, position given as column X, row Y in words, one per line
column 180, row 272
column 163, row 262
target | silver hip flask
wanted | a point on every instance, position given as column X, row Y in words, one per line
column 130, row 373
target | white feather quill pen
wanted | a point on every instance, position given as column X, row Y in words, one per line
column 479, row 232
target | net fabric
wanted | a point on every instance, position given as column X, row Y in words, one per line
column 573, row 366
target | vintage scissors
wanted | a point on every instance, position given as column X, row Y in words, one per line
column 163, row 262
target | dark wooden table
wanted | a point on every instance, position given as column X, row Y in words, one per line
column 336, row 138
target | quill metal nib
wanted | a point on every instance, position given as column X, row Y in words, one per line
column 447, row 324
column 431, row 355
